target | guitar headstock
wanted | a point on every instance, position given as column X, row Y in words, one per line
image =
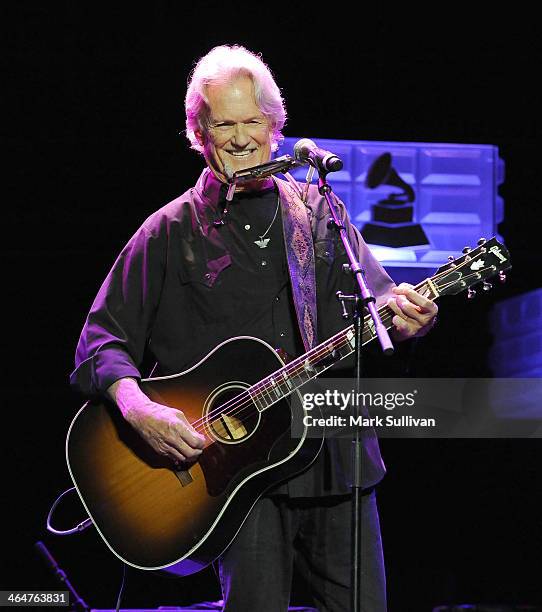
column 490, row 258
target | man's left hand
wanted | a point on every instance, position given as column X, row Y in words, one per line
column 414, row 316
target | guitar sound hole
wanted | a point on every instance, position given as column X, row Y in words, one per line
column 231, row 418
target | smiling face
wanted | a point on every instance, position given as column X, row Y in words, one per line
column 239, row 135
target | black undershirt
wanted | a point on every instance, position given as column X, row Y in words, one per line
column 262, row 287
column 258, row 277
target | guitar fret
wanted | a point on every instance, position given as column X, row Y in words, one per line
column 257, row 397
column 344, row 350
column 283, row 383
column 287, row 381
column 268, row 392
column 308, row 367
column 351, row 337
column 275, row 388
column 268, row 397
column 369, row 331
column 299, row 375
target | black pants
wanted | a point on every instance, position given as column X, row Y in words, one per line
column 314, row 534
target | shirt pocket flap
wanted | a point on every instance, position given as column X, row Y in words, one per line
column 324, row 249
column 206, row 273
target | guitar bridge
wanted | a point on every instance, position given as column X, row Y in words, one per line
column 184, row 476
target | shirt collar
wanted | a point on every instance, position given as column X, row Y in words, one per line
column 210, row 189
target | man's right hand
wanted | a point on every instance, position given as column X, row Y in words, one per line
column 165, row 429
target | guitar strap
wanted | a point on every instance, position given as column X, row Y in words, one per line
column 300, row 256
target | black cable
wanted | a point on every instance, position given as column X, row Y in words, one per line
column 77, row 529
column 121, row 590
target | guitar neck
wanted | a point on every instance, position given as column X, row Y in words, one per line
column 298, row 372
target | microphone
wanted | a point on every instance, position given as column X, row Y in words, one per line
column 306, row 150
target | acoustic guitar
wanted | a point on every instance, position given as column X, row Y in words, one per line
column 154, row 515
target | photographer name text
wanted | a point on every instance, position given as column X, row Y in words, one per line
column 376, row 421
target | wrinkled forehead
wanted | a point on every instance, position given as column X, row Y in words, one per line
column 233, row 101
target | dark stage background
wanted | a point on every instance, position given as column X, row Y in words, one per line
column 97, row 98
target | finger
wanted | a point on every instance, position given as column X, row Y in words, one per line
column 401, row 325
column 181, row 438
column 169, row 451
column 402, row 288
column 392, row 303
column 415, row 320
column 415, row 314
column 189, row 452
column 192, row 437
column 411, row 310
column 175, row 440
column 413, row 296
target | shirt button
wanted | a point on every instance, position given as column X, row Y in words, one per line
column 247, row 226
column 207, row 276
column 264, row 262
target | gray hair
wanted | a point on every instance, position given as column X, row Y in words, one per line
column 219, row 66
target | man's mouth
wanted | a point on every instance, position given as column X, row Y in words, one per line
column 241, row 154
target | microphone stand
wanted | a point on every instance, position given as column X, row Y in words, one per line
column 363, row 298
column 78, row 602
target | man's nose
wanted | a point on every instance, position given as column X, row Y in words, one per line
column 241, row 137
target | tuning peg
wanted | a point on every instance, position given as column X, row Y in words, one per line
column 466, row 249
column 486, row 286
column 451, row 258
column 471, row 293
column 502, row 277
column 482, row 241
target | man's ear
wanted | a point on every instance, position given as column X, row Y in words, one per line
column 199, row 137
column 274, row 143
column 273, row 139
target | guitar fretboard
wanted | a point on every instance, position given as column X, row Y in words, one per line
column 293, row 375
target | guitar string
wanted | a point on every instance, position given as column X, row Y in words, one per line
column 263, row 387
column 249, row 404
column 245, row 401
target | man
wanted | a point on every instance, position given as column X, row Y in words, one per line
column 201, row 270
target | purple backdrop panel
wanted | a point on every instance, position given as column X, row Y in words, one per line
column 456, row 187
